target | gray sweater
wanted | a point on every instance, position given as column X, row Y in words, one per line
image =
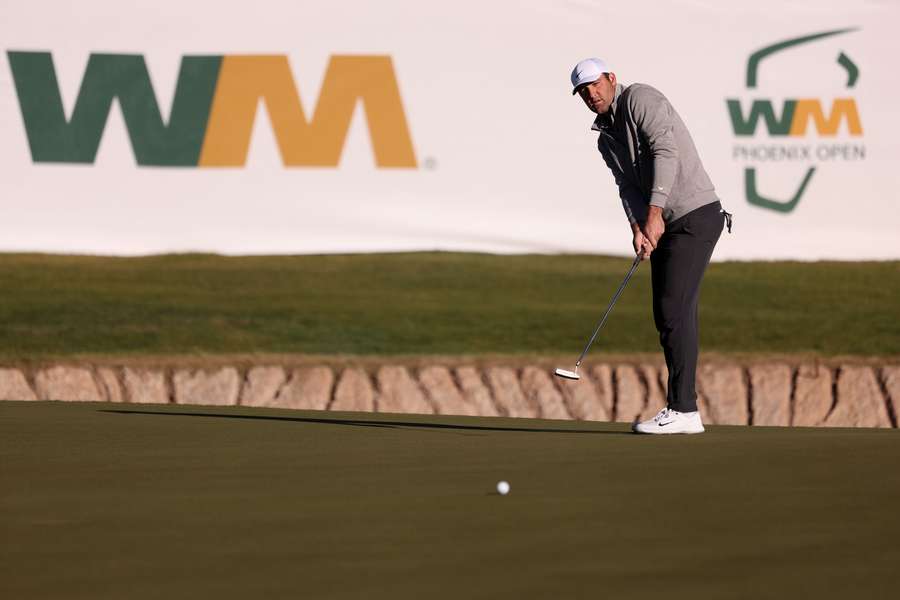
column 651, row 154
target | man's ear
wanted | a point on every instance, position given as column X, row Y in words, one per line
column 611, row 77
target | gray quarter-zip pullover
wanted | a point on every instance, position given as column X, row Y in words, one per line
column 651, row 154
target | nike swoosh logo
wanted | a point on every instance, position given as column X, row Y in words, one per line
column 661, row 424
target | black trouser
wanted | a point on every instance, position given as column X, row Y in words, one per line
column 678, row 264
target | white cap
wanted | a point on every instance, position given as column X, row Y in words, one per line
column 588, row 71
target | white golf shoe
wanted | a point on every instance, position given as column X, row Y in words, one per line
column 671, row 421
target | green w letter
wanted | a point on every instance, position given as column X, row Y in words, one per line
column 761, row 108
column 122, row 77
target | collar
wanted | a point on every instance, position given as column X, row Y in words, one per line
column 605, row 121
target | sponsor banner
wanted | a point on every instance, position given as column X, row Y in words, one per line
column 314, row 127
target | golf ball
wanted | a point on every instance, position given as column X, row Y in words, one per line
column 502, row 488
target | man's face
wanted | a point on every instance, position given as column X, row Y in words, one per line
column 599, row 95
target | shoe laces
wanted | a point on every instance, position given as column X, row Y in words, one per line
column 664, row 413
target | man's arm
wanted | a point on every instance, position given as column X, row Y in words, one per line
column 639, row 237
column 629, row 194
column 654, row 227
column 653, row 117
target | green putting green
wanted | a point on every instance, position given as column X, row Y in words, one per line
column 139, row 501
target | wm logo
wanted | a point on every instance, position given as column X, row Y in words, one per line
column 213, row 111
column 795, row 118
column 796, row 115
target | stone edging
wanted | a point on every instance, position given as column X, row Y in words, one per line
column 756, row 394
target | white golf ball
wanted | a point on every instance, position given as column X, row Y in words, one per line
column 502, row 488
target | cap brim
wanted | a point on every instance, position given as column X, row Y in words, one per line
column 584, row 83
column 580, row 85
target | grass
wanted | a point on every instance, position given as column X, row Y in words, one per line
column 425, row 303
column 124, row 501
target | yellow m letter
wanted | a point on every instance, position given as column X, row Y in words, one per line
column 811, row 110
column 316, row 142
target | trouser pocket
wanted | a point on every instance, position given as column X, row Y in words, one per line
column 706, row 223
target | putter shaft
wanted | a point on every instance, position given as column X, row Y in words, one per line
column 637, row 261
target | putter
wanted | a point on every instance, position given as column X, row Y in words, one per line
column 565, row 374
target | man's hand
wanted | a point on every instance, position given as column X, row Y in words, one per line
column 654, row 227
column 641, row 244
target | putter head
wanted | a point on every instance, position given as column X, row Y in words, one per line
column 567, row 374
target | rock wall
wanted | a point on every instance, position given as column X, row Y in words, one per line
column 774, row 393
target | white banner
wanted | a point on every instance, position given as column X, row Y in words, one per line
column 320, row 127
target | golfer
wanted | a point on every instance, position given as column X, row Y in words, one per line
column 675, row 217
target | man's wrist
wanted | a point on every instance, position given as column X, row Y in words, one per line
column 655, row 211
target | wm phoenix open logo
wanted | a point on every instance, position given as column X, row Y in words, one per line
column 794, row 121
column 213, row 110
